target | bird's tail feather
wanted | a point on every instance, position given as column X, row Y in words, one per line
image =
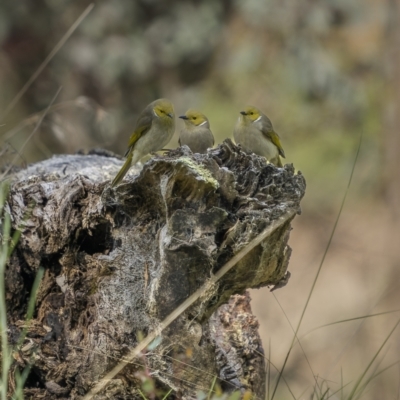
column 122, row 172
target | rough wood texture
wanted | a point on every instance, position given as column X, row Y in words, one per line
column 117, row 262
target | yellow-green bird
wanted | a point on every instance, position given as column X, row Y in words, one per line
column 255, row 133
column 154, row 129
column 196, row 134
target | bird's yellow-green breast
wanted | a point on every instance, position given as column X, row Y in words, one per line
column 255, row 133
column 196, row 133
column 154, row 128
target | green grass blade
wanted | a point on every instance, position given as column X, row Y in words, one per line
column 269, row 369
column 4, row 189
column 359, row 380
column 31, row 305
column 341, row 384
column 20, row 383
column 5, row 350
column 339, row 390
column 6, row 247
column 167, row 394
column 142, row 394
column 211, row 388
column 365, row 384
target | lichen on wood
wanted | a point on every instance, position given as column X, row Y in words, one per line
column 118, row 260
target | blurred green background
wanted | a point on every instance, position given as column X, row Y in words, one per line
column 325, row 72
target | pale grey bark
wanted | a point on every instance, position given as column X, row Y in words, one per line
column 119, row 260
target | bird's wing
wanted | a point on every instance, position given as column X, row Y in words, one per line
column 213, row 139
column 143, row 124
column 123, row 171
column 274, row 138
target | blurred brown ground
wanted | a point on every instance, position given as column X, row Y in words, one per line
column 360, row 277
column 323, row 71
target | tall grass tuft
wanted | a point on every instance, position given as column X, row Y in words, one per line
column 7, row 245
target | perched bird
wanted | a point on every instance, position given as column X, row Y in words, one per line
column 254, row 131
column 154, row 129
column 196, row 134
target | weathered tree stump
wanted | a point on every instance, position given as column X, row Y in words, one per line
column 117, row 261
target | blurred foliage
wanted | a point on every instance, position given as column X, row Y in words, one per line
column 315, row 67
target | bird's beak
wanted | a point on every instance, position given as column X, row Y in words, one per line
column 243, row 112
column 170, row 115
column 183, row 117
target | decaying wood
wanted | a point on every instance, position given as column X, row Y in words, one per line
column 118, row 261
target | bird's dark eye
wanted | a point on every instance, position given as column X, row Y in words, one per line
column 194, row 117
column 251, row 113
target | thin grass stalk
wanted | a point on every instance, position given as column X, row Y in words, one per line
column 43, row 65
column 269, row 369
column 339, row 390
column 374, row 375
column 298, row 341
column 167, row 394
column 6, row 246
column 359, row 380
column 319, row 267
column 32, row 133
column 189, row 301
column 5, row 350
column 341, row 384
column 349, row 320
column 31, row 305
column 20, row 383
column 211, row 388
